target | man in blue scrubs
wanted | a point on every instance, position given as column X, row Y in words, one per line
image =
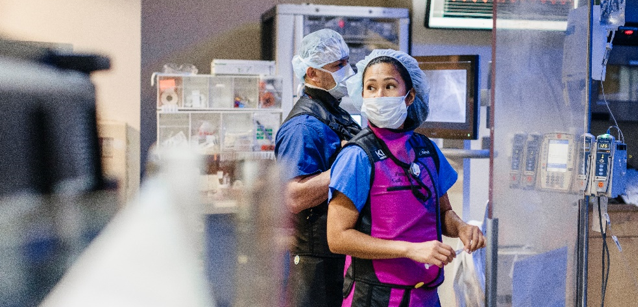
column 306, row 145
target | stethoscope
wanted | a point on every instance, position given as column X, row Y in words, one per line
column 411, row 171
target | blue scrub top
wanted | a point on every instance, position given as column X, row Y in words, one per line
column 303, row 146
column 350, row 175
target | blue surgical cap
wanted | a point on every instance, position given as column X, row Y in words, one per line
column 318, row 49
column 419, row 109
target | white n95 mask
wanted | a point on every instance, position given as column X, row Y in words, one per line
column 340, row 76
column 385, row 112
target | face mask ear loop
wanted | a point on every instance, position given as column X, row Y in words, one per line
column 348, row 76
column 300, row 91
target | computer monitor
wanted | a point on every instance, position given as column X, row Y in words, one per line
column 454, row 96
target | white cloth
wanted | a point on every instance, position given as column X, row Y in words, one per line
column 469, row 278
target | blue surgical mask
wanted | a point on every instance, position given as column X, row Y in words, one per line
column 340, row 76
column 385, row 112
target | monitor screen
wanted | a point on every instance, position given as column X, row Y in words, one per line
column 454, row 106
column 557, row 155
column 513, row 14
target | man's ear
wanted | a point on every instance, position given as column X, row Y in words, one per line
column 312, row 77
column 311, row 73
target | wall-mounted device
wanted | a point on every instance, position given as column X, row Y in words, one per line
column 528, row 181
column 585, row 147
column 556, row 162
column 454, row 97
column 608, row 167
column 518, row 148
column 513, row 14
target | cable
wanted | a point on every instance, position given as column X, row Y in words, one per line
column 625, row 263
column 606, row 249
column 621, row 136
column 602, row 88
column 605, row 271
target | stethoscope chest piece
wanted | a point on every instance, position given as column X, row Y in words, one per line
column 414, row 169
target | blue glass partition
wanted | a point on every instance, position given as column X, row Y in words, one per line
column 540, row 113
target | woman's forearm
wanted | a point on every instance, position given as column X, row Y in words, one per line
column 451, row 224
column 357, row 244
column 454, row 227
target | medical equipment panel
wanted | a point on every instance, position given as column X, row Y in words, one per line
column 603, row 159
column 619, row 170
column 585, row 147
column 608, row 167
column 531, row 160
column 518, row 147
column 556, row 162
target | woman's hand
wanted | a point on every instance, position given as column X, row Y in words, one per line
column 431, row 252
column 454, row 227
column 472, row 237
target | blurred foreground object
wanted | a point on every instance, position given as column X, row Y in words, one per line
column 261, row 236
column 244, row 232
column 151, row 253
column 48, row 122
column 53, row 198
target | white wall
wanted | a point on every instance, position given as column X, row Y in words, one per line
column 426, row 41
column 110, row 28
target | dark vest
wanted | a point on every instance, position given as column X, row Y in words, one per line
column 310, row 225
column 338, row 119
